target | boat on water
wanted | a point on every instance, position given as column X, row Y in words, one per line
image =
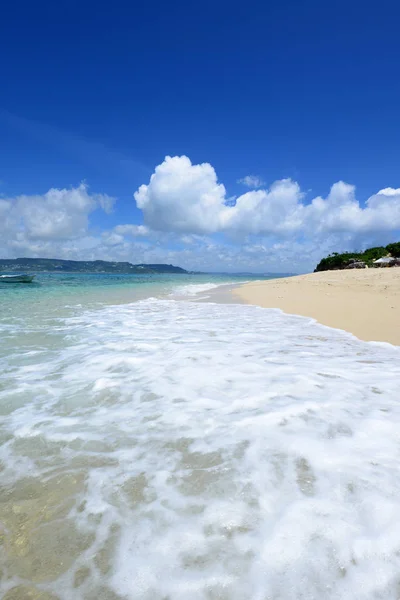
column 19, row 278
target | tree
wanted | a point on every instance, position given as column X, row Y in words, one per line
column 336, row 261
column 394, row 249
column 371, row 254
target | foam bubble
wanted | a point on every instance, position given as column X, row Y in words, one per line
column 179, row 450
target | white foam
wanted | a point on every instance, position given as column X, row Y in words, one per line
column 192, row 289
column 218, row 451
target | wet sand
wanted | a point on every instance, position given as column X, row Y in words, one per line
column 364, row 302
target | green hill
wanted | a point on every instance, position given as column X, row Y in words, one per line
column 341, row 261
column 82, row 266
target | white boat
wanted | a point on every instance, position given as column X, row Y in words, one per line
column 20, row 278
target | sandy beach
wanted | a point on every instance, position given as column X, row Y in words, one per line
column 363, row 302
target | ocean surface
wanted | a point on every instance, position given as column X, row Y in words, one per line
column 153, row 447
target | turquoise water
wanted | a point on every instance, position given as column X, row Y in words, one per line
column 60, row 294
column 106, row 288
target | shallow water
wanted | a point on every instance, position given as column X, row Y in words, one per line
column 57, row 291
column 171, row 449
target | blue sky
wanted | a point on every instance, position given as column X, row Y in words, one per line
column 307, row 91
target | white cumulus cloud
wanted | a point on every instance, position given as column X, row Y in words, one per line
column 182, row 197
column 32, row 221
column 186, row 198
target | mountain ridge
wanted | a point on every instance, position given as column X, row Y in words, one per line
column 84, row 266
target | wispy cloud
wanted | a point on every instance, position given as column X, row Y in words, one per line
column 251, row 181
column 91, row 153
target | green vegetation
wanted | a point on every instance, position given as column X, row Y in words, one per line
column 394, row 249
column 341, row 261
column 82, row 266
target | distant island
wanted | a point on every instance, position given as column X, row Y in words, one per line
column 357, row 260
column 83, row 266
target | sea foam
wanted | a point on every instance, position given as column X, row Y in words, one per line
column 175, row 450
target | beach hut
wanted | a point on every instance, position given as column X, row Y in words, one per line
column 385, row 261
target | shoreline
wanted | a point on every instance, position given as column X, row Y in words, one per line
column 222, row 294
column 365, row 303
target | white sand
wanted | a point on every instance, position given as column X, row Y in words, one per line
column 364, row 302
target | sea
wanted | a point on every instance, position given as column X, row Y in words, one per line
column 156, row 444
